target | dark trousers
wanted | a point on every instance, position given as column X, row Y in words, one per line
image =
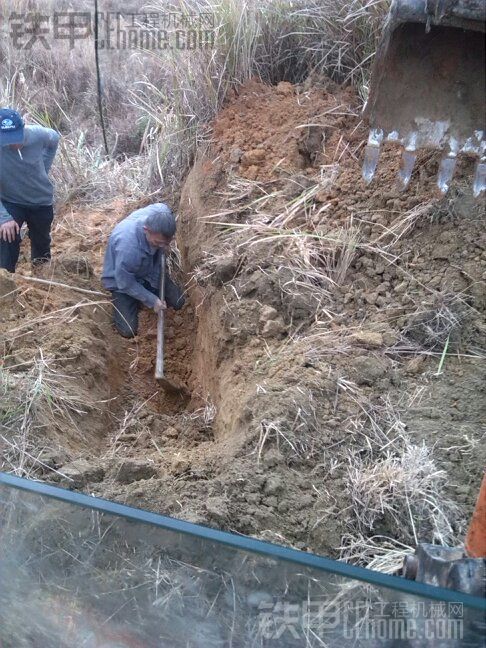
column 39, row 221
column 125, row 307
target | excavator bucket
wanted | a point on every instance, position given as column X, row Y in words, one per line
column 428, row 87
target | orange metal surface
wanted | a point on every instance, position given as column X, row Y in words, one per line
column 476, row 536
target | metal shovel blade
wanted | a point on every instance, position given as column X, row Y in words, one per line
column 171, row 387
column 168, row 385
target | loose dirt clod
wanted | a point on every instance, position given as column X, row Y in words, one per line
column 8, row 288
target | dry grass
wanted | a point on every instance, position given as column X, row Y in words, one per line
column 394, row 483
column 296, row 433
column 403, row 224
column 203, row 417
column 84, row 175
column 35, row 404
column 380, row 553
column 405, row 488
column 128, row 430
column 389, row 481
column 442, row 323
column 310, row 256
column 60, row 316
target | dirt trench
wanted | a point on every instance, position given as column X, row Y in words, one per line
column 123, row 428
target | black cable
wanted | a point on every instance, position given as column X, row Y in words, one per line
column 98, row 78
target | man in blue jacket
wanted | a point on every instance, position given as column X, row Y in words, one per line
column 132, row 266
column 26, row 192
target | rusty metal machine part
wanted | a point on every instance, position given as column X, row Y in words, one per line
column 428, row 86
column 463, row 570
column 476, row 536
column 446, row 567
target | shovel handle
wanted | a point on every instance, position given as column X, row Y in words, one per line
column 159, row 361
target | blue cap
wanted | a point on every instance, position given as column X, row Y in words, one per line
column 11, row 127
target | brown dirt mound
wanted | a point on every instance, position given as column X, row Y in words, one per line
column 267, row 132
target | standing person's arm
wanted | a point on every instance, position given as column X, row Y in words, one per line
column 8, row 227
column 4, row 215
column 51, row 142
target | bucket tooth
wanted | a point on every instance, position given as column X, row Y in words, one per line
column 479, row 182
column 372, row 155
column 475, row 145
column 446, row 171
column 406, row 167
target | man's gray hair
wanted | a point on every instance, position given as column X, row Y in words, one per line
column 161, row 220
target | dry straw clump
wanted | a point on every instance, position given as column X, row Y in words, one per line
column 33, row 402
column 406, row 488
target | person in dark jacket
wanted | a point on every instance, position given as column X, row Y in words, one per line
column 26, row 192
column 132, row 266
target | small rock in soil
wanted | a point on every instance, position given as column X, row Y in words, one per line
column 369, row 339
column 371, row 298
column 179, row 344
column 76, row 265
column 443, row 251
column 272, row 457
column 415, row 365
column 268, row 313
column 81, row 471
column 52, row 458
column 285, row 88
column 401, row 287
column 273, row 328
column 217, row 508
column 252, row 172
column 180, row 466
column 225, row 268
column 130, row 470
column 390, row 337
column 254, row 157
column 369, row 370
column 273, row 485
column 236, row 155
column 7, row 288
column 296, row 185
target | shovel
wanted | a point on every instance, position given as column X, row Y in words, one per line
column 169, row 386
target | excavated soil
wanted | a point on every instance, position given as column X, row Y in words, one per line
column 261, row 445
